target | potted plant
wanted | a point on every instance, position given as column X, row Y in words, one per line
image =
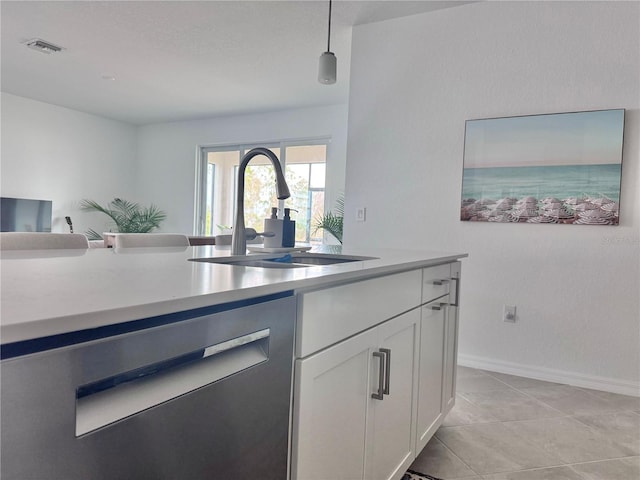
column 128, row 217
column 332, row 222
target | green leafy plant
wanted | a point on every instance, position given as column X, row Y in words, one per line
column 128, row 217
column 332, row 222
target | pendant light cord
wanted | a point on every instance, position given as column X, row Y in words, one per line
column 329, row 34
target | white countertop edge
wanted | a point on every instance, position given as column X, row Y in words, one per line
column 319, row 277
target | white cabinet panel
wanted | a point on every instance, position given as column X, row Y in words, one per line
column 330, row 411
column 353, row 339
column 392, row 448
column 328, row 316
column 450, row 355
column 432, row 351
column 451, row 342
column 340, row 431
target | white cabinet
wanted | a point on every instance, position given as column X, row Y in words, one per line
column 340, row 430
column 438, row 351
column 450, row 359
column 330, row 315
column 332, row 390
column 397, row 333
column 451, row 341
column 391, row 449
column 431, row 372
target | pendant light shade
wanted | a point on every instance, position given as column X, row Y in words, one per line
column 328, row 66
column 327, row 69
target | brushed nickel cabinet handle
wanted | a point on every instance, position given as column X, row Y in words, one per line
column 438, row 306
column 379, row 395
column 444, row 281
column 387, row 369
column 456, row 302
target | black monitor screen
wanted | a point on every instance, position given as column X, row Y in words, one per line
column 25, row 215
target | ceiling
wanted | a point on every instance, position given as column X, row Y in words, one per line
column 147, row 62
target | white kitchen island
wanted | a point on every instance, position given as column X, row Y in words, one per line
column 385, row 327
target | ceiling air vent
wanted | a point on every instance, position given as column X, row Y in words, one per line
column 42, row 46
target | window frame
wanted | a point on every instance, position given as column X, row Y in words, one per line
column 202, row 163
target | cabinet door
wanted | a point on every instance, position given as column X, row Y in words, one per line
column 391, row 449
column 431, row 367
column 330, row 411
column 451, row 354
column 451, row 341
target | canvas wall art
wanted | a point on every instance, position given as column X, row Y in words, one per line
column 562, row 168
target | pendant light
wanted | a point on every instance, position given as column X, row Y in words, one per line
column 327, row 70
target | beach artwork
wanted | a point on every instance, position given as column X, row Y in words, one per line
column 554, row 168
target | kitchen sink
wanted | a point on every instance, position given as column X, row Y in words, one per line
column 290, row 260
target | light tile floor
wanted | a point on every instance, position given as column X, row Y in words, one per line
column 515, row 428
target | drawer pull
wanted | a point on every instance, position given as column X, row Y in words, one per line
column 379, row 395
column 387, row 369
column 444, row 281
column 438, row 306
column 456, row 302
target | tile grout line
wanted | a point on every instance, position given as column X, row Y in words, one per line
column 594, row 428
column 589, row 391
column 583, row 390
column 590, row 428
column 455, row 455
column 555, row 465
column 603, row 460
column 568, row 465
column 534, row 398
column 562, row 414
column 572, row 416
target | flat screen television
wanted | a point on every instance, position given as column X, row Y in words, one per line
column 25, row 215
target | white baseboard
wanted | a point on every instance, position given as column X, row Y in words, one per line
column 606, row 384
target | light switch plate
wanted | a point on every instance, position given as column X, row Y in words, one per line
column 361, row 214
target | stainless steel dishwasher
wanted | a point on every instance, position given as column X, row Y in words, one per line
column 196, row 395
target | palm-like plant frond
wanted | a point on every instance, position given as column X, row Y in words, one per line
column 332, row 223
column 340, row 206
column 128, row 217
column 93, row 235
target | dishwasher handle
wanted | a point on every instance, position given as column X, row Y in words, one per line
column 120, row 396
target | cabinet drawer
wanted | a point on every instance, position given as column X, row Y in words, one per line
column 436, row 282
column 333, row 314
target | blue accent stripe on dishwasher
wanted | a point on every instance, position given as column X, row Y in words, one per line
column 26, row 347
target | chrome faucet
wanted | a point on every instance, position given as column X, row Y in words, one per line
column 238, row 236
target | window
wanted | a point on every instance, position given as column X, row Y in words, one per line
column 304, row 166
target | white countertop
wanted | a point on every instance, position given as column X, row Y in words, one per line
column 59, row 291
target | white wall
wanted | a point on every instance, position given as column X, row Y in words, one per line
column 58, row 154
column 167, row 153
column 576, row 287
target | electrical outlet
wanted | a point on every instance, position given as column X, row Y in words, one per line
column 509, row 314
column 361, row 214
